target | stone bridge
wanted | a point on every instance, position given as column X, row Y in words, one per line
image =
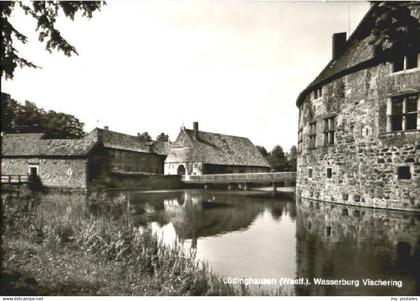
column 243, row 180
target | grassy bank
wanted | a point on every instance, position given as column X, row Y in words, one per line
column 63, row 250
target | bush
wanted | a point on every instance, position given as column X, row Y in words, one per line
column 146, row 265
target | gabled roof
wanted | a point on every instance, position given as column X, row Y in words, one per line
column 32, row 145
column 115, row 140
column 213, row 148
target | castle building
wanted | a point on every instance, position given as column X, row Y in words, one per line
column 359, row 121
column 195, row 152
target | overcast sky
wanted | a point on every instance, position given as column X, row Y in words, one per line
column 236, row 67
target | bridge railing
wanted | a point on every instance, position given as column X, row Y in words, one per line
column 16, row 179
column 268, row 177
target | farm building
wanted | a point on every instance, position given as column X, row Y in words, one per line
column 195, row 152
column 102, row 157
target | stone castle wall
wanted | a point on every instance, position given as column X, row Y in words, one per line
column 365, row 157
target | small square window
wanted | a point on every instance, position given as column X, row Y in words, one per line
column 329, row 173
column 404, row 173
column 33, row 171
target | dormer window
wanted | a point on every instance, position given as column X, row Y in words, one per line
column 406, row 62
column 317, row 93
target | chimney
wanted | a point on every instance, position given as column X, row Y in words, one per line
column 338, row 43
column 195, row 129
column 106, row 128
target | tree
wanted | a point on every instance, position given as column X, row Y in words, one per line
column 45, row 13
column 292, row 158
column 162, row 137
column 28, row 118
column 145, row 137
column 263, row 151
column 277, row 159
column 394, row 29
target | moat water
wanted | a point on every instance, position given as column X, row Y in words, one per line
column 257, row 237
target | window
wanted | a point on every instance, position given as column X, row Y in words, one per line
column 404, row 173
column 329, row 173
column 33, row 171
column 329, row 130
column 328, row 231
column 403, row 113
column 300, row 131
column 409, row 61
column 310, row 173
column 317, row 93
column 300, row 139
column 411, row 112
column 312, row 135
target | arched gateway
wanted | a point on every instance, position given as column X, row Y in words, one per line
column 181, row 170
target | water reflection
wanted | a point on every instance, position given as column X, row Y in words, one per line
column 345, row 242
column 246, row 235
column 200, row 215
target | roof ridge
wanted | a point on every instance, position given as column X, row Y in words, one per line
column 213, row 133
column 114, row 132
column 37, row 133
